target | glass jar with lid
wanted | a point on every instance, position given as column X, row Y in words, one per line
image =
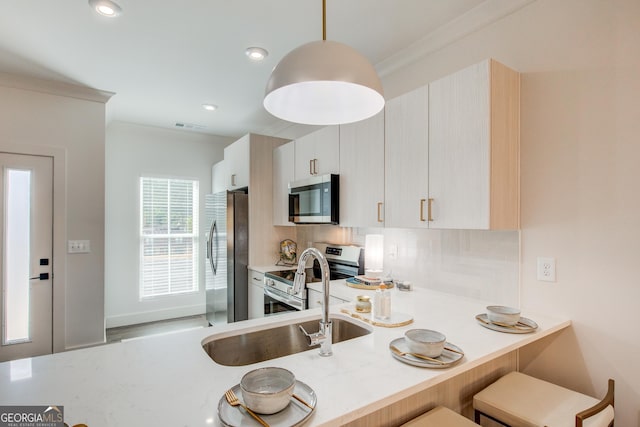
column 363, row 304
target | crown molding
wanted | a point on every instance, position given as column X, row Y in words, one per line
column 54, row 88
column 480, row 16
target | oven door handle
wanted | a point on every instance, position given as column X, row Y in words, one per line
column 280, row 297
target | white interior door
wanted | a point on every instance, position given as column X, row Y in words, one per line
column 26, row 240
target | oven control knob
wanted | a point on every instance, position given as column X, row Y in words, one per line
column 290, row 291
column 270, row 282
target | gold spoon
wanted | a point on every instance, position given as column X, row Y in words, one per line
column 397, row 351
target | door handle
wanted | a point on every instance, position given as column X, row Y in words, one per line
column 379, row 210
column 41, row 276
column 213, row 234
column 315, row 166
column 311, row 167
column 422, row 209
column 233, row 180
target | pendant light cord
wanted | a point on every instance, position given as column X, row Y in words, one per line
column 324, row 20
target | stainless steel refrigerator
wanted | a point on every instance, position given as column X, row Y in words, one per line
column 227, row 256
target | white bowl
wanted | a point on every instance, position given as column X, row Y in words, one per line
column 425, row 341
column 267, row 390
column 502, row 314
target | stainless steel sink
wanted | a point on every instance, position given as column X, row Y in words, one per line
column 279, row 341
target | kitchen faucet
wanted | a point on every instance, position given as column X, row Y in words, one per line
column 324, row 335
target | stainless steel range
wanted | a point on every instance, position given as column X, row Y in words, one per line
column 344, row 261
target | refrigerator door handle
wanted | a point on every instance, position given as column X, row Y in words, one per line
column 213, row 234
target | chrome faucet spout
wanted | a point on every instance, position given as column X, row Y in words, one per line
column 325, row 333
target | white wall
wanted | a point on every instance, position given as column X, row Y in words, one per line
column 133, row 151
column 580, row 65
column 67, row 122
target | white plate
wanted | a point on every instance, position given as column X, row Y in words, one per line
column 295, row 414
column 449, row 358
column 524, row 326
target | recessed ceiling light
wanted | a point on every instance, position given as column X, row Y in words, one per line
column 106, row 8
column 256, row 53
column 209, row 107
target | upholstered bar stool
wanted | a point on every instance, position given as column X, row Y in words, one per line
column 440, row 417
column 520, row 400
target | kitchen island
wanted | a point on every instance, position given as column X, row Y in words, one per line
column 169, row 380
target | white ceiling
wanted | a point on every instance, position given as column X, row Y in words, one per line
column 163, row 59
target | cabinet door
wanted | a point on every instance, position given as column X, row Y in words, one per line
column 256, row 294
column 283, row 158
column 237, row 158
column 219, row 176
column 317, row 153
column 327, row 151
column 362, row 173
column 459, row 149
column 407, row 160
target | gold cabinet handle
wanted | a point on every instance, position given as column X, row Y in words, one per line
column 233, row 180
column 422, row 209
column 380, row 219
column 429, row 217
column 311, row 167
column 315, row 166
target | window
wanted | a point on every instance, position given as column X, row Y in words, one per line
column 168, row 236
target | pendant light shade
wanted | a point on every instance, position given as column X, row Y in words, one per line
column 324, row 83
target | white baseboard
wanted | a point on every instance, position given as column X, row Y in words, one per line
column 153, row 316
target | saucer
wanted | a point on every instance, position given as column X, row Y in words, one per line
column 524, row 325
column 449, row 358
column 295, row 414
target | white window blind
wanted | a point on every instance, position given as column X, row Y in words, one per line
column 168, row 236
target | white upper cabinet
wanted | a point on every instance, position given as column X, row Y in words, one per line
column 452, row 152
column 406, row 160
column 362, row 173
column 474, row 148
column 219, row 177
column 317, row 153
column 283, row 158
column 237, row 157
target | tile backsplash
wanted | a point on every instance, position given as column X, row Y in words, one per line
column 472, row 263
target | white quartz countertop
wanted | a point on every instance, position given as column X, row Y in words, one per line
column 168, row 380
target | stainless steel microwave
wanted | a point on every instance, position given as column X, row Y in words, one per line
column 314, row 200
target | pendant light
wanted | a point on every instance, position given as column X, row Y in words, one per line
column 324, row 83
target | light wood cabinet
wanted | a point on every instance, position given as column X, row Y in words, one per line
column 362, row 174
column 317, row 153
column 474, row 148
column 237, row 157
column 256, row 294
column 452, row 152
column 283, row 158
column 255, row 154
column 406, row 160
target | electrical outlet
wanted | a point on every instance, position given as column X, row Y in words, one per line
column 547, row 269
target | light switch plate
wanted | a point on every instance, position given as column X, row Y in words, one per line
column 78, row 246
